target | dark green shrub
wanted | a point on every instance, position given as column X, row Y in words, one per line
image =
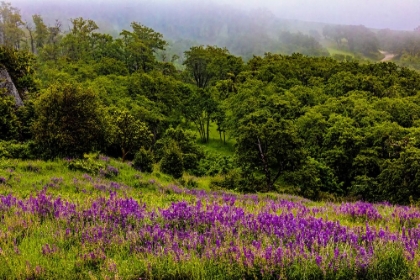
column 88, row 164
column 313, row 179
column 17, row 150
column 70, row 121
column 172, row 163
column 185, row 141
column 9, row 123
column 143, row 160
column 213, row 164
column 189, row 183
column 190, row 161
column 230, row 181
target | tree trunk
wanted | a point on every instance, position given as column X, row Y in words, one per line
column 208, row 127
column 124, row 154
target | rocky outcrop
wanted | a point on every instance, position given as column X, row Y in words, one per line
column 9, row 87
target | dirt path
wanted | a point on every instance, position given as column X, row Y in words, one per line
column 388, row 56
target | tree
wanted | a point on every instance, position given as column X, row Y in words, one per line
column 136, row 54
column 30, row 30
column 129, row 134
column 69, row 121
column 270, row 147
column 143, row 160
column 172, row 162
column 51, row 50
column 77, row 43
column 200, row 108
column 41, row 32
column 206, row 66
column 400, row 178
column 10, row 22
column 9, row 124
column 152, row 39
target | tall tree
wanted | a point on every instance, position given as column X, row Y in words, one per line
column 41, row 32
column 11, row 22
column 77, row 42
column 128, row 133
column 205, row 66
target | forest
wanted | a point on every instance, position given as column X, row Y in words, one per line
column 147, row 162
column 314, row 126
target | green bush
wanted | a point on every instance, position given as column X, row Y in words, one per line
column 185, row 141
column 190, row 161
column 213, row 165
column 88, row 164
column 70, row 121
column 189, row 183
column 230, row 181
column 17, row 150
column 172, row 163
column 143, row 160
column 9, row 123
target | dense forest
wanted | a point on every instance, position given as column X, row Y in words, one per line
column 299, row 122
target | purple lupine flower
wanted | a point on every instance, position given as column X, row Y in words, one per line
column 112, row 170
column 104, row 158
column 87, row 177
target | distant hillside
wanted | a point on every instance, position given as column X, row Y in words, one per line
column 243, row 32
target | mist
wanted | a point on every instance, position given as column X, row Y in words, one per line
column 379, row 14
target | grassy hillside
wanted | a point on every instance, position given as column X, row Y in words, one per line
column 119, row 223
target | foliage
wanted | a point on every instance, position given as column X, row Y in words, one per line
column 172, row 162
column 143, row 160
column 69, row 121
column 213, row 164
column 9, row 123
column 185, row 142
column 320, row 127
column 17, row 150
column 88, row 164
column 20, row 66
column 128, row 133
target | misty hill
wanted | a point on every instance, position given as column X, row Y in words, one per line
column 243, row 30
column 244, row 33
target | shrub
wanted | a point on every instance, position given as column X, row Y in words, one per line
column 190, row 161
column 88, row 164
column 17, row 150
column 172, row 163
column 213, row 164
column 189, row 183
column 143, row 160
column 230, row 181
column 70, row 121
column 9, row 124
column 185, row 141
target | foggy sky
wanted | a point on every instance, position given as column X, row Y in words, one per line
column 393, row 14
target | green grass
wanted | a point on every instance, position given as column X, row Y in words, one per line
column 334, row 51
column 217, row 146
column 27, row 178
